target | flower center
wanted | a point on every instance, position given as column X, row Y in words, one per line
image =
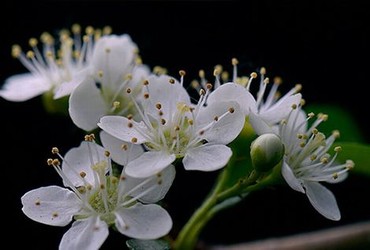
column 104, row 199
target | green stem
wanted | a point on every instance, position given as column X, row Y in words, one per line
column 188, row 236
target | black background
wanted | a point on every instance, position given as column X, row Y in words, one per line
column 324, row 45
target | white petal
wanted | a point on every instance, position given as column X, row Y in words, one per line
column 51, row 205
column 290, row 178
column 323, row 200
column 149, row 163
column 259, row 125
column 88, row 234
column 281, row 109
column 22, row 87
column 79, row 159
column 207, row 157
column 114, row 56
column 66, row 88
column 140, row 73
column 234, row 92
column 225, row 129
column 169, row 95
column 115, row 148
column 160, row 188
column 118, row 127
column 86, row 105
column 143, row 221
column 296, row 119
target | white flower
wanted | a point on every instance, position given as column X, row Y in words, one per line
column 172, row 127
column 265, row 109
column 114, row 68
column 57, row 63
column 96, row 199
column 307, row 161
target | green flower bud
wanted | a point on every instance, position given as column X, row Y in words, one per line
column 266, row 152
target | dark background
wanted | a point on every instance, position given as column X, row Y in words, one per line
column 323, row 45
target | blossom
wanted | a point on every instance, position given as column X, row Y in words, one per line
column 171, row 127
column 115, row 66
column 265, row 109
column 96, row 199
column 57, row 63
column 307, row 161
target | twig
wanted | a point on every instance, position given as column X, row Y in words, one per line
column 355, row 236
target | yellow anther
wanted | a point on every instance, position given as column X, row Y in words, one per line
column 278, row 80
column 324, row 160
column 225, row 76
column 107, row 30
column 32, row 42
column 30, row 54
column 55, row 162
column 263, row 71
column 195, row 84
column 55, row 150
column 89, row 30
column 201, row 73
column 49, row 161
column 76, row 28
column 298, row 87
column 124, row 147
column 336, row 133
column 116, row 104
column 16, row 51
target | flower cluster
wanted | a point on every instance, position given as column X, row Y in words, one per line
column 147, row 125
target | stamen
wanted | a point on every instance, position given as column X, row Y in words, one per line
column 55, row 150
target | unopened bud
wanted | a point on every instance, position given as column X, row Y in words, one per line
column 266, row 152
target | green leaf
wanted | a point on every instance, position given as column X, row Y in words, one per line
column 136, row 244
column 358, row 153
column 340, row 119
